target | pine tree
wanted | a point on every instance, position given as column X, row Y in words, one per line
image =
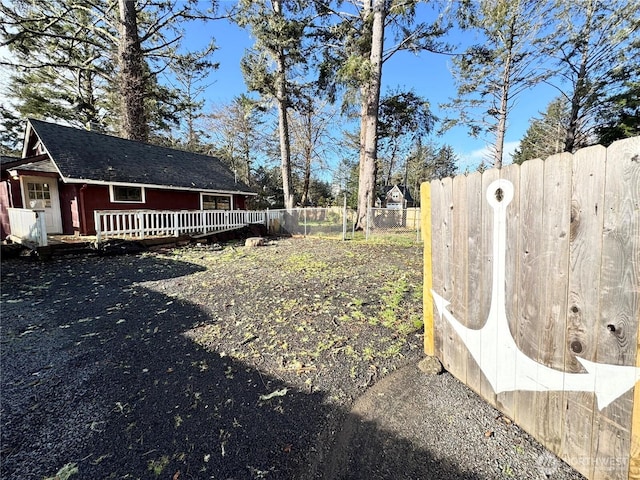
column 358, row 66
column 404, row 117
column 546, row 134
column 595, row 48
column 279, row 29
column 491, row 76
column 237, row 135
column 72, row 51
column 62, row 58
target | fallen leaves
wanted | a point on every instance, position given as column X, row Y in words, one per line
column 65, row 472
column 306, row 316
column 276, row 393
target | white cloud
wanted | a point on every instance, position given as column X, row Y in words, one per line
column 471, row 160
column 509, row 150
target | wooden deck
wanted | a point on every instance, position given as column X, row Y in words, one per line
column 88, row 245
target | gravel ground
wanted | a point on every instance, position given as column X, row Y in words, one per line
column 236, row 364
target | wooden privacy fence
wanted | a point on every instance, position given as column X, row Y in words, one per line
column 532, row 298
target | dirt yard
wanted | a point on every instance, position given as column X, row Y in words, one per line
column 234, row 363
column 194, row 362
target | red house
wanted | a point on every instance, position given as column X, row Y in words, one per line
column 70, row 173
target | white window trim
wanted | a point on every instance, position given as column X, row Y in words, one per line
column 112, row 195
column 202, row 194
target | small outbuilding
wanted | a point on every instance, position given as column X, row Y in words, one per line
column 396, row 197
column 70, row 173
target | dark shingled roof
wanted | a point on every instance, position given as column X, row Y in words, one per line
column 5, row 159
column 90, row 156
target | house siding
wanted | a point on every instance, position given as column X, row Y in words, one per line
column 5, row 229
column 69, row 208
column 10, row 197
column 96, row 197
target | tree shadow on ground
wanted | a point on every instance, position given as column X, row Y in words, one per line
column 97, row 371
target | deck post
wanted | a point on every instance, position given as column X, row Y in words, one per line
column 96, row 222
column 266, row 221
column 41, row 228
column 140, row 218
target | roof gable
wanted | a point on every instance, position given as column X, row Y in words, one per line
column 82, row 155
column 404, row 191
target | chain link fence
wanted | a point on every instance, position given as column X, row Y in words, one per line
column 332, row 222
column 340, row 223
column 393, row 223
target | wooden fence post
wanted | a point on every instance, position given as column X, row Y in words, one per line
column 425, row 217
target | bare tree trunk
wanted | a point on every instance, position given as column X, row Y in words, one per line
column 283, row 121
column 578, row 94
column 502, row 116
column 371, row 101
column 307, row 178
column 246, row 156
column 307, row 133
column 132, row 75
column 501, row 128
column 580, row 87
column 392, row 161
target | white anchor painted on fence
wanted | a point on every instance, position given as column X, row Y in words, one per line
column 493, row 348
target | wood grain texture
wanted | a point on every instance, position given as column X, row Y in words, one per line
column 585, row 250
column 437, row 255
column 507, row 401
column 632, row 146
column 530, row 282
column 486, row 249
column 450, row 340
column 572, row 266
column 617, row 329
column 475, row 198
column 459, row 278
column 556, row 227
column 427, row 302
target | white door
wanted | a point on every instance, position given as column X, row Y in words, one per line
column 41, row 193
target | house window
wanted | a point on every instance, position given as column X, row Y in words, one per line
column 39, row 194
column 216, row 202
column 120, row 194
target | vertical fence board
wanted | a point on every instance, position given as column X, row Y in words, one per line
column 486, row 249
column 634, row 450
column 507, row 401
column 556, row 231
column 585, row 247
column 619, row 302
column 458, row 258
column 437, row 254
column 474, row 319
column 427, row 303
column 450, row 341
column 530, row 282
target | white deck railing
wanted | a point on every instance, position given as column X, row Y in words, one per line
column 28, row 226
column 145, row 223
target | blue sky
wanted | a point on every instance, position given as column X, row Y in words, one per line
column 427, row 74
